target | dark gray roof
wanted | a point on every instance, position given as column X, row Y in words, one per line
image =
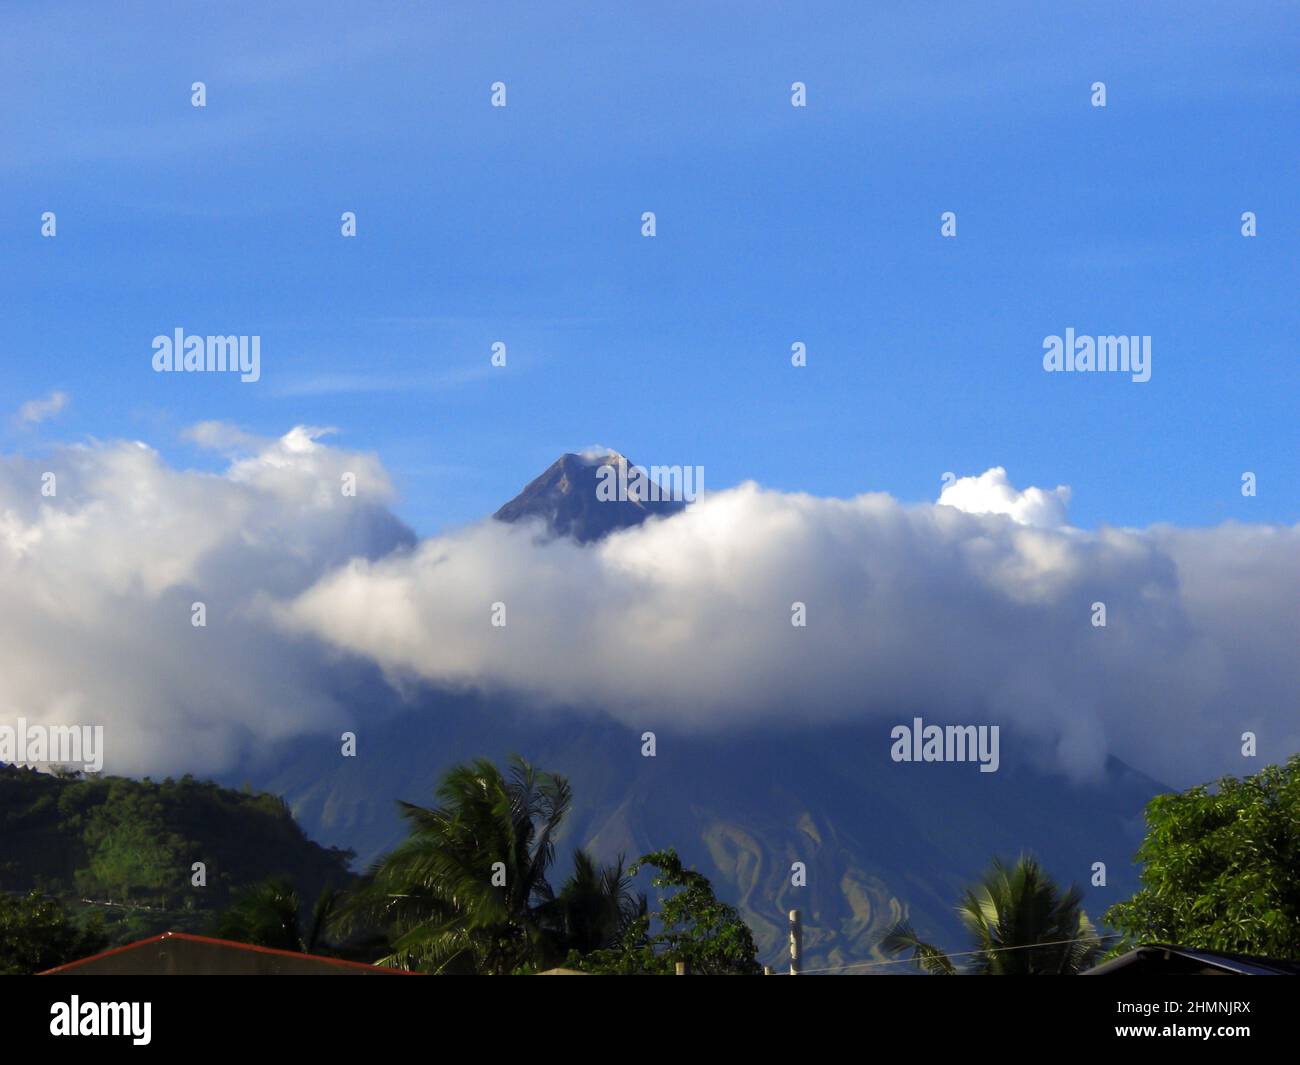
column 1163, row 957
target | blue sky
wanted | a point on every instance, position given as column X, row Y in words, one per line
column 775, row 224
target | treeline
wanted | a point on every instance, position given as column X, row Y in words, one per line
column 88, row 862
column 470, row 891
column 477, row 886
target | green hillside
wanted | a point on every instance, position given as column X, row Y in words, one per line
column 126, row 849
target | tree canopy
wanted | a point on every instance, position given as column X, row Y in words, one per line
column 691, row 925
column 1221, row 867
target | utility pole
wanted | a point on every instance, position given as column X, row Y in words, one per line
column 796, row 942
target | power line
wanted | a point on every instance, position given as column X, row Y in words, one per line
column 957, row 954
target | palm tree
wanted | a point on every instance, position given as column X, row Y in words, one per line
column 1020, row 923
column 269, row 915
column 467, row 890
column 595, row 906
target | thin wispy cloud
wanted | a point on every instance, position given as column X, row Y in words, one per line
column 35, row 411
column 346, row 383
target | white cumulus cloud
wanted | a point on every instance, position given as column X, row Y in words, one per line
column 992, row 493
column 976, row 609
column 97, row 582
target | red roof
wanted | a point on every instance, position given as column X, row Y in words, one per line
column 340, row 963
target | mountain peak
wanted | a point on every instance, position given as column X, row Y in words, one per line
column 565, row 498
column 595, row 456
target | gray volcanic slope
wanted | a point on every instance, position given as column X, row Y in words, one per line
column 880, row 839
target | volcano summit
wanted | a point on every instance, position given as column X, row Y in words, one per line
column 572, row 497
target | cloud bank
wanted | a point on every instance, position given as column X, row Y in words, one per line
column 976, row 609
column 98, row 580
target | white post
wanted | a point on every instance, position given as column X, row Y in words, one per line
column 796, row 942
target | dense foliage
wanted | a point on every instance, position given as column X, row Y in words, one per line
column 37, row 933
column 467, row 891
column 125, row 848
column 271, row 914
column 1221, row 867
column 690, row 926
column 135, row 840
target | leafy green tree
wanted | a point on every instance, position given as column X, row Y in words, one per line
column 270, row 915
column 467, row 890
column 1221, row 867
column 36, row 933
column 691, row 926
column 1019, row 922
